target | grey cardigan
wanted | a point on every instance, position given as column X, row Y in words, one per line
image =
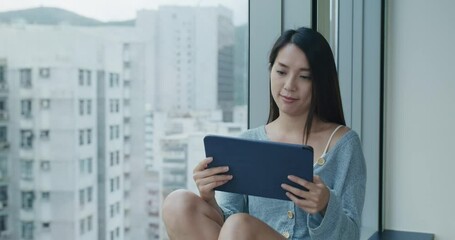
column 344, row 172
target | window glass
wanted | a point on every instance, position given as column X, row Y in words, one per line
column 134, row 87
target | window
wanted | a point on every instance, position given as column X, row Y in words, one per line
column 81, row 107
column 89, row 136
column 26, row 78
column 44, row 135
column 26, row 108
column 112, row 212
column 2, row 75
column 45, row 196
column 27, row 169
column 45, row 103
column 44, row 72
column 89, row 77
column 45, row 166
column 82, row 166
column 89, row 107
column 87, row 102
column 3, row 132
column 89, row 223
column 26, row 139
column 89, row 194
column 28, row 197
column 46, row 226
column 81, row 137
column 89, row 165
column 27, row 230
column 81, row 197
column 112, row 184
column 82, row 226
column 81, row 77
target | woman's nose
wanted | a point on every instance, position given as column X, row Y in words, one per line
column 289, row 85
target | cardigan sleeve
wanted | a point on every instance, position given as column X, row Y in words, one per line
column 344, row 209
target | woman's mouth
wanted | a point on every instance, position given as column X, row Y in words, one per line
column 288, row 99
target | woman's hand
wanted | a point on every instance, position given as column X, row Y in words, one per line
column 312, row 201
column 207, row 179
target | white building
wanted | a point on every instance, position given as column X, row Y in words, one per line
column 55, row 118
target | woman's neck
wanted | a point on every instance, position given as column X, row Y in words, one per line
column 290, row 129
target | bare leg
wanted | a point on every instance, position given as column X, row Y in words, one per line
column 244, row 226
column 187, row 216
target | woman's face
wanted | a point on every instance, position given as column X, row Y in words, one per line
column 291, row 81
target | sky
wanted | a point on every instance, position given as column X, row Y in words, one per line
column 114, row 10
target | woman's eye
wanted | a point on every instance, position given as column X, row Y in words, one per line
column 305, row 77
column 280, row 72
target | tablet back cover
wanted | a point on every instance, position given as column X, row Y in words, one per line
column 259, row 167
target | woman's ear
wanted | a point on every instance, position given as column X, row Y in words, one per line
column 270, row 66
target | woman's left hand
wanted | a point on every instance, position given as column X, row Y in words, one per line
column 312, row 201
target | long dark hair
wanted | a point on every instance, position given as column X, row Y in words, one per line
column 326, row 98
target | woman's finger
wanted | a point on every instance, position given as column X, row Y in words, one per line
column 202, row 164
column 210, row 172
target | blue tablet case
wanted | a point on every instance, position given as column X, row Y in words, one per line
column 259, row 167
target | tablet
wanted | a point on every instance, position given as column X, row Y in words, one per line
column 259, row 167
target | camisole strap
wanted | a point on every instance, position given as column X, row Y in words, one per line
column 330, row 139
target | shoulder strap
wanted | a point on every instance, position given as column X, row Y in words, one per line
column 330, row 139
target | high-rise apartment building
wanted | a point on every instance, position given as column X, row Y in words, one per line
column 195, row 59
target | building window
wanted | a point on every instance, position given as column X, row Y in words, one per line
column 117, row 182
column 81, row 137
column 2, row 75
column 81, row 107
column 117, row 231
column 26, row 108
column 89, row 136
column 117, row 207
column 27, row 200
column 82, row 226
column 3, row 134
column 81, row 197
column 117, row 105
column 26, row 78
column 112, row 210
column 45, row 166
column 44, row 72
column 111, row 132
column 27, row 169
column 89, row 223
column 82, row 166
column 27, row 231
column 81, row 77
column 89, row 107
column 46, row 226
column 89, row 165
column 45, row 196
column 111, row 159
column 89, row 77
column 26, row 139
column 89, row 194
column 45, row 103
column 117, row 157
column 44, row 135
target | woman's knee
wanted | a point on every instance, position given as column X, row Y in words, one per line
column 179, row 203
column 241, row 224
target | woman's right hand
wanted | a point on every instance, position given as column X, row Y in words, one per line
column 209, row 178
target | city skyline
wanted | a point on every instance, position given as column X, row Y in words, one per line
column 106, row 10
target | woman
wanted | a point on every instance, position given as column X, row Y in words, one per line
column 305, row 108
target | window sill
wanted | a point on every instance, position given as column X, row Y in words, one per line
column 400, row 235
